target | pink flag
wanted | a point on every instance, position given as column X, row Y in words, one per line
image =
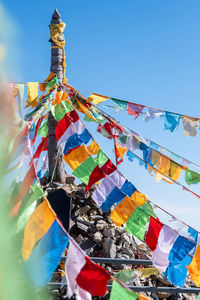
column 135, row 109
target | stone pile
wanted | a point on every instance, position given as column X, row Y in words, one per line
column 98, row 236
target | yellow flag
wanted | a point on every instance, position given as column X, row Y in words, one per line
column 194, row 267
column 77, row 157
column 123, row 211
column 38, row 224
column 93, row 148
column 174, row 171
column 32, row 98
column 147, row 272
column 121, row 150
column 139, row 198
column 96, row 98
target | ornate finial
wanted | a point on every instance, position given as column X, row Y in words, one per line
column 56, row 17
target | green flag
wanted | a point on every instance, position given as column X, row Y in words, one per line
column 123, row 138
column 120, row 293
column 191, row 176
column 101, row 157
column 59, row 110
column 43, row 130
column 148, row 209
column 120, row 103
column 136, row 224
column 84, row 170
column 51, row 83
column 124, row 276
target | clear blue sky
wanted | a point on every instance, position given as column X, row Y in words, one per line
column 145, row 51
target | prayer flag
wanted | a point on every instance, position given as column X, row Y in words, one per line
column 190, row 126
column 101, row 157
column 96, row 99
column 20, row 87
column 174, row 171
column 139, row 198
column 46, row 255
column 93, row 148
column 123, row 211
column 165, row 242
column 118, row 179
column 93, row 278
column 128, row 188
column 76, row 157
column 119, row 152
column 152, row 236
column 108, row 168
column 59, row 110
column 179, row 258
column 32, row 98
column 135, row 109
column 115, row 196
column 38, row 224
column 121, row 104
column 194, row 267
column 43, row 130
column 96, row 175
column 136, row 224
column 171, row 121
column 118, row 293
column 191, row 176
column 152, row 113
column 75, row 261
column 103, row 190
column 84, row 170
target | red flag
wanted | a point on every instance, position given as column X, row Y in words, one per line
column 73, row 116
column 108, row 167
column 62, row 126
column 93, row 278
column 95, row 176
column 43, row 146
column 154, row 229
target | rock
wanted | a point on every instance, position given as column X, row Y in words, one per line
column 96, row 218
column 110, row 232
column 83, row 227
column 82, row 210
column 128, row 251
column 126, row 237
column 88, row 245
column 79, row 239
column 97, row 237
column 109, row 247
column 101, row 225
column 69, row 179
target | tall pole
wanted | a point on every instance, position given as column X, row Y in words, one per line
column 55, row 154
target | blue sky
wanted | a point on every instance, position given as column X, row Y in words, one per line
column 147, row 52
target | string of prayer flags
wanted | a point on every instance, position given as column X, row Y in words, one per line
column 152, row 236
column 93, row 148
column 191, row 177
column 61, row 131
column 147, row 272
column 52, row 82
column 190, row 126
column 96, row 98
column 121, row 104
column 166, row 239
column 108, row 168
column 49, row 78
column 194, row 267
column 103, row 190
column 45, row 257
column 85, row 109
column 38, row 224
column 135, row 109
column 179, row 258
column 32, row 98
column 115, row 196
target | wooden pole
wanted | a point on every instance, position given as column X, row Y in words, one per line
column 55, row 155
